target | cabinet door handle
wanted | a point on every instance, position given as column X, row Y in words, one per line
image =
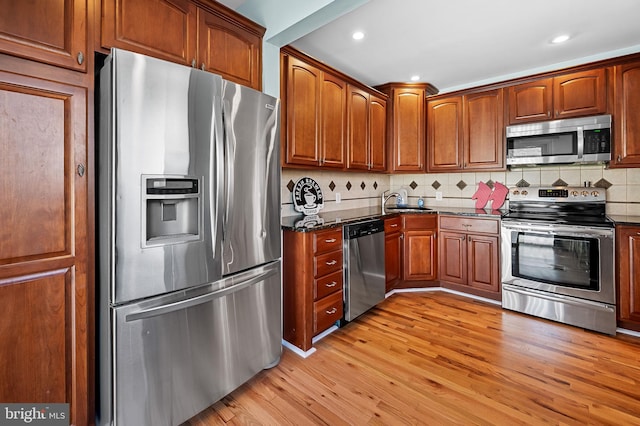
column 331, row 240
column 332, row 311
column 80, row 169
column 331, row 284
column 80, row 58
column 619, row 158
column 548, row 113
column 193, row 63
column 333, row 262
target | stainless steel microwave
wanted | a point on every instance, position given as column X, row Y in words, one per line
column 567, row 141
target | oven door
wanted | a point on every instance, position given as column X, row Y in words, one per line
column 565, row 260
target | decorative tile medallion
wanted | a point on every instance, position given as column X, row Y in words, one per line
column 290, row 185
column 560, row 182
column 348, row 186
column 332, row 186
column 461, row 185
column 603, row 183
column 435, row 184
column 522, row 183
column 413, row 184
column 363, row 186
column 375, row 185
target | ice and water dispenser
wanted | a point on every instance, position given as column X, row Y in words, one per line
column 171, row 210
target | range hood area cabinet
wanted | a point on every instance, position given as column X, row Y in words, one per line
column 406, row 125
column 466, row 132
column 198, row 33
column 577, row 94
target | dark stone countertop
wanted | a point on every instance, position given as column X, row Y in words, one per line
column 300, row 223
column 624, row 219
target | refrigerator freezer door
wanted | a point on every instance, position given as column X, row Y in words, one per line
column 178, row 354
column 161, row 176
column 251, row 229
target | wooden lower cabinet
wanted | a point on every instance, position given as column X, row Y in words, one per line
column 628, row 276
column 393, row 251
column 469, row 255
column 46, row 320
column 419, row 247
column 312, row 284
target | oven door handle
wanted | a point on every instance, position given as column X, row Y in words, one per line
column 536, row 230
column 558, row 298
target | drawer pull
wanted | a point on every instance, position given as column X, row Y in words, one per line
column 331, row 284
column 394, row 225
column 332, row 311
column 332, row 240
column 333, row 262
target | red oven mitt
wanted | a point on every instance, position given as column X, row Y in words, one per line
column 482, row 195
column 498, row 195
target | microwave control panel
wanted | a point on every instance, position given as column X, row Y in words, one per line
column 597, row 141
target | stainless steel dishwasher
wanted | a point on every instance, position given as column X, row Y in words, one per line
column 364, row 279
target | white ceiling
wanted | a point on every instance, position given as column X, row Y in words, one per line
column 454, row 44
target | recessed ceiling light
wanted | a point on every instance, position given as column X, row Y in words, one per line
column 415, row 77
column 358, row 35
column 560, row 39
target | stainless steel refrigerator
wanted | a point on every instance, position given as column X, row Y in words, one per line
column 189, row 239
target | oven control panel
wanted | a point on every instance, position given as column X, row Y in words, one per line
column 569, row 194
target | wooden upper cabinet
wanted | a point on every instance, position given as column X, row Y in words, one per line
column 444, row 134
column 358, row 133
column 484, row 140
column 53, row 32
column 165, row 29
column 229, row 50
column 378, row 133
column 531, row 101
column 302, row 109
column 406, row 125
column 205, row 34
column 333, row 121
column 626, row 138
column 571, row 95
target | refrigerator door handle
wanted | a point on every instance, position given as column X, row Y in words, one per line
column 229, row 158
column 198, row 300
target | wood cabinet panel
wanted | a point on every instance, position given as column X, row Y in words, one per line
column 626, row 137
column 333, row 123
column 444, row 134
column 484, row 139
column 327, row 311
column 531, row 101
column 44, row 247
column 409, row 130
column 303, row 112
column 419, row 221
column 628, row 276
column 228, row 50
column 329, row 240
column 165, row 29
column 483, row 259
column 358, row 133
column 54, row 32
column 328, row 284
column 420, row 255
column 377, row 133
column 35, row 328
column 453, row 257
column 392, row 251
column 468, row 224
column 579, row 94
column 327, row 263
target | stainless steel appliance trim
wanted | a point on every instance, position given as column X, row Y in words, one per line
column 183, row 304
column 559, row 297
column 559, row 126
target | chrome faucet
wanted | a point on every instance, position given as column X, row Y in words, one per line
column 385, row 198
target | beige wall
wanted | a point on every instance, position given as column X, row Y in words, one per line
column 623, row 194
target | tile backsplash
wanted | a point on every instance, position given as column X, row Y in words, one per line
column 364, row 189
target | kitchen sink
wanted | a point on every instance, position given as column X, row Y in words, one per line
column 412, row 208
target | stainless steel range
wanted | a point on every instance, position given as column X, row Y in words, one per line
column 557, row 254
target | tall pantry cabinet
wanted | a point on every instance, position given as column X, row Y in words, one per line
column 46, row 282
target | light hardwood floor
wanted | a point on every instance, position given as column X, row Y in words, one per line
column 442, row 359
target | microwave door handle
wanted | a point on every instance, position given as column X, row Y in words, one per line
column 580, row 132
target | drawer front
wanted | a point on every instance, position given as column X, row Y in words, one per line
column 420, row 221
column 325, row 241
column 324, row 264
column 327, row 311
column 393, row 225
column 326, row 285
column 469, row 224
